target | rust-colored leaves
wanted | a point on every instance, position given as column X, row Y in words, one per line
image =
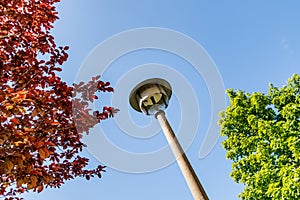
column 39, row 142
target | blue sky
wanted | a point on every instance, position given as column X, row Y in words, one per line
column 252, row 43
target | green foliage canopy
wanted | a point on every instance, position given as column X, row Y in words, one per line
column 263, row 141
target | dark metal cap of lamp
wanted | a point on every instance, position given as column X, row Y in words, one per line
column 150, row 96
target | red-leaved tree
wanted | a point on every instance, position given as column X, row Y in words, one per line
column 42, row 119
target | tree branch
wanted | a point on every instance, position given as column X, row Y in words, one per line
column 6, row 36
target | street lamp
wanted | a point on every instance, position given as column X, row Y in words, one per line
column 151, row 97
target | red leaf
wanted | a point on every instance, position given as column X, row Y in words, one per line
column 40, row 188
column 55, row 123
column 14, row 121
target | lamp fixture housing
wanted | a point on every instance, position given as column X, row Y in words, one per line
column 151, row 96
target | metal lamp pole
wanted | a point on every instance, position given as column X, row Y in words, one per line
column 152, row 97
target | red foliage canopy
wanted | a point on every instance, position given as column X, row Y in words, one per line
column 41, row 124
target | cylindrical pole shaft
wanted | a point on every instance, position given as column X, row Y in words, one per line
column 189, row 174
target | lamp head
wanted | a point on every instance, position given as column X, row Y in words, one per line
column 150, row 96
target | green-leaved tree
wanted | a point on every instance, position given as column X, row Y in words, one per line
column 263, row 141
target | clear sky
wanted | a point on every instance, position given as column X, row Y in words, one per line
column 252, row 43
